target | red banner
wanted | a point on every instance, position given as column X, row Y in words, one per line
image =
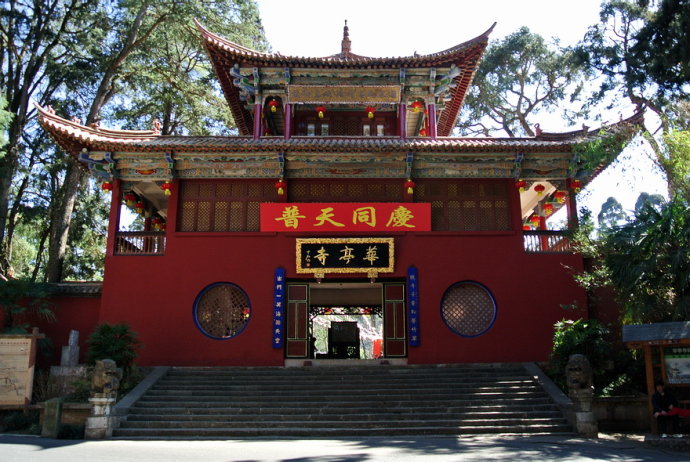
column 345, row 217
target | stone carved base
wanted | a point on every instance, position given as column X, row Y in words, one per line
column 98, row 428
column 102, row 423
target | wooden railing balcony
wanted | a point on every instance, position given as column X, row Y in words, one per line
column 140, row 243
column 547, row 242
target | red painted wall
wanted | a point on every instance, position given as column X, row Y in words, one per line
column 155, row 294
column 71, row 313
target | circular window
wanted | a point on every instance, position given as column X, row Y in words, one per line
column 468, row 309
column 221, row 310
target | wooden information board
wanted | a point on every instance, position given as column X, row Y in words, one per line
column 17, row 358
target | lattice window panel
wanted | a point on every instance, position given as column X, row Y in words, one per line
column 253, row 216
column 345, row 191
column 222, row 311
column 466, row 205
column 468, row 309
column 222, row 206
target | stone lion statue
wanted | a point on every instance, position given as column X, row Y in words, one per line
column 106, row 378
column 578, row 373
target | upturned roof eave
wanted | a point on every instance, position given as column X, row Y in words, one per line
column 214, row 41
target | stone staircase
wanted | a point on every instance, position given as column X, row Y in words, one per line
column 343, row 401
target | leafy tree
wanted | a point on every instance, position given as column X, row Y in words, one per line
column 19, row 297
column 5, row 119
column 661, row 53
column 648, row 262
column 645, row 200
column 611, row 214
column 519, row 78
column 113, row 341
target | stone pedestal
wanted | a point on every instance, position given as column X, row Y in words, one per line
column 585, row 421
column 101, row 423
column 69, row 370
column 52, row 416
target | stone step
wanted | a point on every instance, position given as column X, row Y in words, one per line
column 347, row 391
column 202, row 432
column 337, row 408
column 343, row 401
column 362, row 416
column 371, row 423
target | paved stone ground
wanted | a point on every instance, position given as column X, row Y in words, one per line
column 465, row 448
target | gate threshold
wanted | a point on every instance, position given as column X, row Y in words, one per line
column 345, row 362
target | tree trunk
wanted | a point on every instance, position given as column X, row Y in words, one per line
column 62, row 219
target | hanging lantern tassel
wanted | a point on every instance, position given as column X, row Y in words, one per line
column 139, row 206
column 320, row 110
column 370, row 111
column 539, row 189
column 409, row 186
column 167, row 188
column 107, row 186
column 280, row 186
column 521, row 185
column 130, row 198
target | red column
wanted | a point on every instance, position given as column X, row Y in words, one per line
column 402, row 120
column 258, row 125
column 571, row 208
column 544, row 240
column 432, row 120
column 288, row 121
column 114, row 220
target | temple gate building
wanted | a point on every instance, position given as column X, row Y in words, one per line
column 343, row 222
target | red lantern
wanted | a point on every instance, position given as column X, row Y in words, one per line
column 273, row 104
column 320, row 110
column 521, row 185
column 535, row 220
column 140, row 206
column 560, row 196
column 167, row 188
column 548, row 208
column 409, row 186
column 157, row 222
column 422, row 132
column 107, row 186
column 417, row 106
column 370, row 111
column 539, row 189
column 280, row 186
column 575, row 185
column 526, row 228
column 130, row 198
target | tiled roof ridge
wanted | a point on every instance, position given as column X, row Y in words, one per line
column 637, row 119
column 227, row 45
column 53, row 123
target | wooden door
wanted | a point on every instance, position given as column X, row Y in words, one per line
column 394, row 328
column 297, row 335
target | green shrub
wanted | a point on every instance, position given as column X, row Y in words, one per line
column 116, row 342
column 615, row 370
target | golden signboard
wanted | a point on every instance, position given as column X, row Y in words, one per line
column 17, row 356
column 344, row 94
column 320, row 256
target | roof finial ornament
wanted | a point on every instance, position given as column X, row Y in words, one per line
column 345, row 44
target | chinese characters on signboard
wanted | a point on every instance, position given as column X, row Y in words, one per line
column 278, row 307
column 346, row 217
column 413, row 305
column 355, row 255
column 677, row 361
